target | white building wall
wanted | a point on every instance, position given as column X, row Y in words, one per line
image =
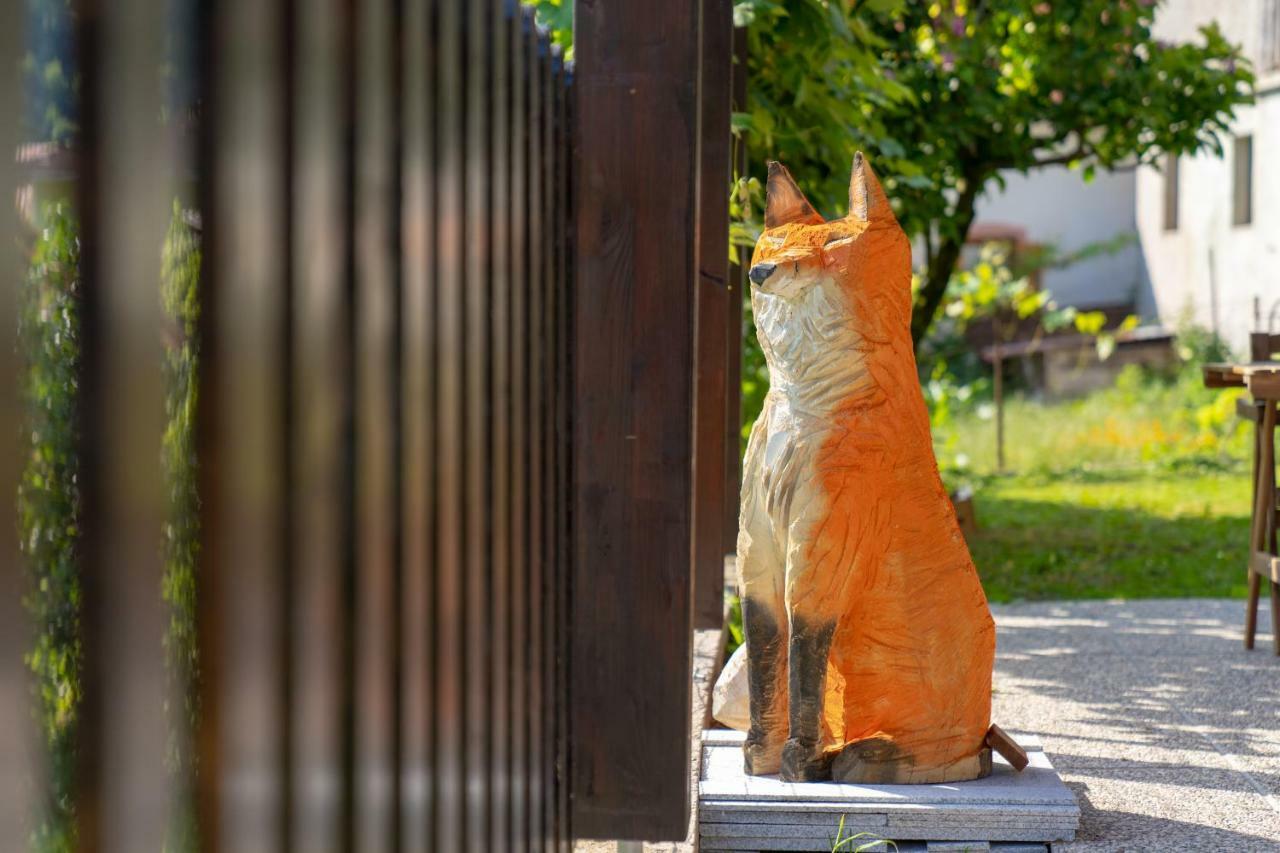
column 1208, row 270
column 1057, row 207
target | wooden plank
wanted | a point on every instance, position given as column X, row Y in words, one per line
column 286, row 53
column 476, row 434
column 1266, row 565
column 737, row 284
column 126, row 194
column 448, row 598
column 711, row 422
column 243, row 433
column 417, row 518
column 563, row 148
column 520, row 446
column 17, row 730
column 636, row 108
column 320, row 348
column 377, row 364
column 536, row 425
column 501, row 284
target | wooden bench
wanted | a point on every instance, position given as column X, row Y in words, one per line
column 1261, row 377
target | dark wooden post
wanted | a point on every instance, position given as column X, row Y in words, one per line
column 635, row 179
column 711, row 429
column 737, row 286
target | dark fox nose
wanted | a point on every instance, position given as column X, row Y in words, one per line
column 760, row 272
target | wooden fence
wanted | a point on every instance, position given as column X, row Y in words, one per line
column 458, row 450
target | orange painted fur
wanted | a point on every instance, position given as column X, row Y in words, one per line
column 870, row 643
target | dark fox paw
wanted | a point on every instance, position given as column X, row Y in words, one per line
column 761, row 758
column 804, row 762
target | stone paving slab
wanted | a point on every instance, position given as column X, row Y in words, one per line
column 1032, row 805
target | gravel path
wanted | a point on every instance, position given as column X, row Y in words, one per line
column 1165, row 728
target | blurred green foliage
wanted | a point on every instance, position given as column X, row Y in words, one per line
column 48, row 504
column 51, row 81
column 180, row 299
column 48, row 512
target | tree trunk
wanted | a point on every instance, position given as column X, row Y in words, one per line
column 943, row 262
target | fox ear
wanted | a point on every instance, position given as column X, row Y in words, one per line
column 867, row 200
column 784, row 202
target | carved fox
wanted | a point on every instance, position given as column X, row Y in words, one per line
column 869, row 641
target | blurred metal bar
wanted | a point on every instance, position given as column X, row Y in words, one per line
column 126, row 192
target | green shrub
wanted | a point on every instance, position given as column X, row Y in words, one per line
column 48, row 507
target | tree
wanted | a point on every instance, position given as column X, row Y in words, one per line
column 969, row 88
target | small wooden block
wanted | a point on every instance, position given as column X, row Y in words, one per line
column 1007, row 746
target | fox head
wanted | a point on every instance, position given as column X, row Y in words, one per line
column 865, row 256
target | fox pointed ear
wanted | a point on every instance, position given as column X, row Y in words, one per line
column 867, row 200
column 784, row 202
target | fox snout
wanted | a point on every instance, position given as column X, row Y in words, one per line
column 761, row 272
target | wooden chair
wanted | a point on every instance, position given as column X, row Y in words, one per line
column 1264, row 557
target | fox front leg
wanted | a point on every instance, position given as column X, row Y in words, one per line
column 765, row 627
column 802, row 756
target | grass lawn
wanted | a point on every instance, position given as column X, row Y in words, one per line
column 1141, row 490
column 1134, row 534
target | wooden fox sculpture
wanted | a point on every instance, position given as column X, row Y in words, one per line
column 869, row 641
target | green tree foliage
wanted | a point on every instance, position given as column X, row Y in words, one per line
column 945, row 95
column 51, row 80
column 48, row 511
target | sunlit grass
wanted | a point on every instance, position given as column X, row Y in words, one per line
column 1141, row 490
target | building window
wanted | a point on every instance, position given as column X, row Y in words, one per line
column 1170, row 192
column 1242, row 182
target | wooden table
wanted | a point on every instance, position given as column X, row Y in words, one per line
column 1262, row 379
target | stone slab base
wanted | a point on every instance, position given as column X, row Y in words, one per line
column 1007, row 811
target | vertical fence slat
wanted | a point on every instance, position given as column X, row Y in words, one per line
column 737, row 286
column 520, row 445
column 17, row 734
column 287, row 429
column 126, row 200
column 319, row 390
column 416, row 417
column 712, row 347
column 546, row 377
column 537, row 439
column 449, row 594
column 376, row 424
column 476, row 430
column 562, row 447
column 242, row 433
column 634, row 182
column 501, row 429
